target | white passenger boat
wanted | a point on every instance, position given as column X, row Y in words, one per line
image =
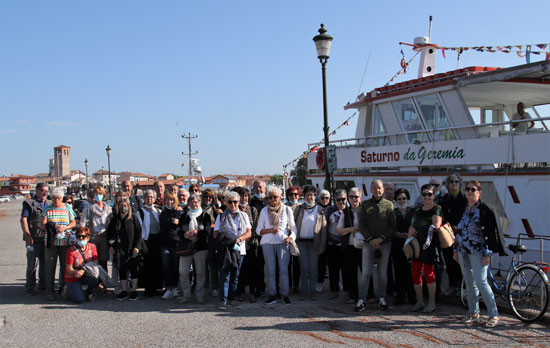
column 456, row 122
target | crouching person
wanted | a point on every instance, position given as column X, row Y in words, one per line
column 81, row 268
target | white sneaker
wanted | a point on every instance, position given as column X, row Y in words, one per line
column 319, row 288
column 168, row 294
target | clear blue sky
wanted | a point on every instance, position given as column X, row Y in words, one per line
column 243, row 75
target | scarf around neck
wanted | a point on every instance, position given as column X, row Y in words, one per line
column 274, row 215
column 193, row 224
column 227, row 224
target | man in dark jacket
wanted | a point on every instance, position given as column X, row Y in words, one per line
column 31, row 219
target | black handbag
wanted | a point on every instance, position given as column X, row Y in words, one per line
column 184, row 247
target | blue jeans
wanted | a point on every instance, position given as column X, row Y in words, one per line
column 170, row 267
column 273, row 254
column 228, row 282
column 368, row 265
column 74, row 289
column 475, row 276
column 309, row 258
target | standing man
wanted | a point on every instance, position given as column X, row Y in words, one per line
column 258, row 200
column 522, row 115
column 158, row 186
column 135, row 202
column 183, row 196
column 389, row 191
column 377, row 225
column 31, row 219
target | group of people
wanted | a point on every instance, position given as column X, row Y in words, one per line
column 243, row 244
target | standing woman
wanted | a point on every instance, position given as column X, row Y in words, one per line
column 293, row 201
column 402, row 268
column 351, row 263
column 232, row 229
column 424, row 225
column 57, row 220
column 311, row 236
column 477, row 238
column 209, row 206
column 251, row 276
column 453, row 205
column 277, row 228
column 334, row 241
column 195, row 225
column 151, row 277
column 96, row 217
column 124, row 236
column 169, row 221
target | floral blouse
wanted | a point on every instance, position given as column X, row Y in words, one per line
column 469, row 238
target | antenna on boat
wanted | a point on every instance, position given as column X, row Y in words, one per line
column 430, row 31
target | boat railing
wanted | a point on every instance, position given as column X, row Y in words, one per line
column 358, row 142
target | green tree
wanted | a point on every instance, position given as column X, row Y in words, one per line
column 276, row 179
column 298, row 174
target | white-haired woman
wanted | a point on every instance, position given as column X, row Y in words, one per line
column 57, row 220
column 151, row 277
column 195, row 225
column 232, row 229
column 347, row 226
column 277, row 228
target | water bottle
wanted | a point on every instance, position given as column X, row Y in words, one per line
column 30, row 249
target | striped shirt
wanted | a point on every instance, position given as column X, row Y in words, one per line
column 60, row 216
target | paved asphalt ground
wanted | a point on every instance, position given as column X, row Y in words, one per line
column 149, row 322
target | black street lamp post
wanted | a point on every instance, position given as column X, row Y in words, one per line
column 108, row 150
column 322, row 44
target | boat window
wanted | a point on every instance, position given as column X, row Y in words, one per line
column 408, row 119
column 378, row 129
column 435, row 117
column 537, row 111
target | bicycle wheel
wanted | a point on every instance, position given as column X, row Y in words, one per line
column 528, row 293
column 463, row 294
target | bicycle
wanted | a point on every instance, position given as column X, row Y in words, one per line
column 527, row 287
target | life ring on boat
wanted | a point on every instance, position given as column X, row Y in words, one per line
column 320, row 159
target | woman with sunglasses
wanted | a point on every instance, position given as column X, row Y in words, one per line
column 277, row 228
column 293, row 194
column 478, row 237
column 402, row 268
column 351, row 263
column 311, row 236
column 453, row 205
column 79, row 255
column 209, row 202
column 124, row 236
column 334, row 251
column 424, row 225
column 231, row 230
column 169, row 237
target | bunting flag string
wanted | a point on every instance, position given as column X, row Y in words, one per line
column 404, row 66
column 316, row 147
column 504, row 49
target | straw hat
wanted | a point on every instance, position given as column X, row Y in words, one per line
column 412, row 249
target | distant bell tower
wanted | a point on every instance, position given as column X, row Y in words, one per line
column 61, row 161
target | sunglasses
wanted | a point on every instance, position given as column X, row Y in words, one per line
column 293, row 193
column 355, row 197
column 232, row 202
column 435, row 185
column 325, row 197
column 402, row 199
column 427, row 194
column 471, row 189
column 340, row 200
column 195, row 191
column 273, row 197
column 454, row 182
column 81, row 236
